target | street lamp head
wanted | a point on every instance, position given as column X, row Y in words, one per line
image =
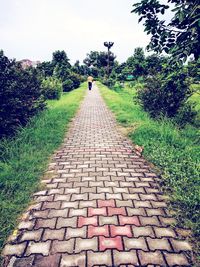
column 108, row 44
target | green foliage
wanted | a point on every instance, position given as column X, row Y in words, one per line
column 52, row 88
column 186, row 114
column 76, row 79
column 20, row 95
column 60, row 58
column 164, row 95
column 97, row 62
column 109, row 82
column 175, row 151
column 136, row 64
column 45, row 69
column 24, row 159
column 68, row 85
column 180, row 37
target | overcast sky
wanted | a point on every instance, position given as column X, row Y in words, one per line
column 34, row 29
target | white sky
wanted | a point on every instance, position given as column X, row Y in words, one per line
column 35, row 28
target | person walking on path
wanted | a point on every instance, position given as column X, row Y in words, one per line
column 90, row 80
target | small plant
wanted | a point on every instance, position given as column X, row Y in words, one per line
column 52, row 88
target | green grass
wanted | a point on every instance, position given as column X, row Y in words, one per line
column 175, row 152
column 25, row 158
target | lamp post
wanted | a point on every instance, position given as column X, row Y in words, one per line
column 108, row 45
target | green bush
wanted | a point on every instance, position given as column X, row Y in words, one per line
column 68, row 85
column 109, row 82
column 52, row 88
column 164, row 95
column 186, row 114
column 20, row 95
column 76, row 79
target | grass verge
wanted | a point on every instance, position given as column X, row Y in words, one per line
column 24, row 159
column 175, row 152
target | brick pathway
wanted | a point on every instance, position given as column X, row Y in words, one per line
column 102, row 205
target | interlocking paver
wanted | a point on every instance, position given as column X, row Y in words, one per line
column 102, row 205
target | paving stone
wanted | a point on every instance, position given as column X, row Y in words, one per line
column 62, row 197
column 164, row 232
column 180, row 245
column 98, row 230
column 49, row 261
column 120, row 230
column 40, row 214
column 58, row 213
column 108, row 243
column 158, row 244
column 54, row 234
column 154, row 258
column 135, row 211
column 106, row 203
column 93, row 196
column 78, row 212
column 68, row 204
column 73, row 260
column 108, row 220
column 63, row 246
column 113, row 196
column 154, row 212
column 66, row 222
column 26, row 225
column 116, row 211
column 87, row 221
column 86, row 244
column 38, row 248
column 76, row 232
column 174, row 259
column 51, row 205
column 89, row 203
column 97, row 211
column 99, row 258
column 149, row 220
column 135, row 243
column 124, row 203
column 45, row 223
column 125, row 258
column 142, row 231
column 129, row 220
column 32, row 235
column 21, row 262
column 16, row 249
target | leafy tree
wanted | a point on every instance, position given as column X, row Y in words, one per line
column 98, row 61
column 154, row 64
column 60, row 58
column 180, row 37
column 136, row 64
column 46, row 68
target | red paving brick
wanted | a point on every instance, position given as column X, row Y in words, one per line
column 101, row 206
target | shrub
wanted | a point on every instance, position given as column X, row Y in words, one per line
column 68, row 85
column 186, row 114
column 52, row 88
column 109, row 82
column 76, row 79
column 20, row 95
column 164, row 94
